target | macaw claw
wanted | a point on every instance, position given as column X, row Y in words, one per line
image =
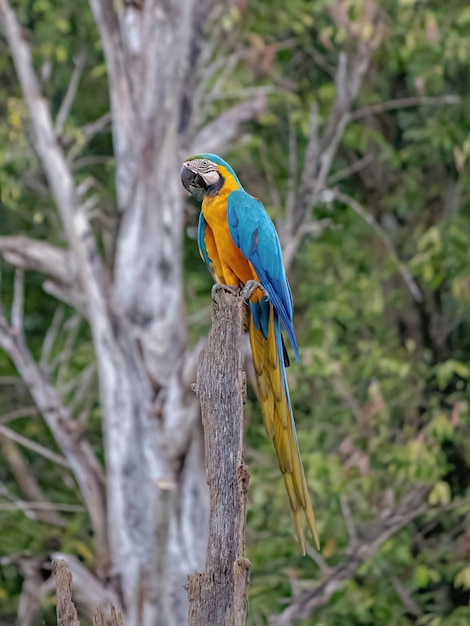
column 249, row 289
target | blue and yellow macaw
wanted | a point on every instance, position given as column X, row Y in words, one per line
column 239, row 243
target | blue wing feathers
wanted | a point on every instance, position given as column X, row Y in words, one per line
column 233, row 222
column 201, row 231
column 253, row 231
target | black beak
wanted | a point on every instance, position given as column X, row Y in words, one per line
column 191, row 181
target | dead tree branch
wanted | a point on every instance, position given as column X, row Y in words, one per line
column 88, row 591
column 411, row 507
column 11, row 416
column 70, row 94
column 74, row 219
column 218, row 134
column 33, row 445
column 43, row 506
column 99, row 618
column 32, row 254
column 66, row 612
column 322, row 147
column 218, row 596
column 77, row 453
column 322, row 150
column 403, row 103
column 33, row 589
column 379, row 231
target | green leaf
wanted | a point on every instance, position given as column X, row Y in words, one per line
column 440, row 494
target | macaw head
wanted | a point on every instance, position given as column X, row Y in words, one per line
column 205, row 174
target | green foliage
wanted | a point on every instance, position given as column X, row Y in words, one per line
column 381, row 393
column 58, row 32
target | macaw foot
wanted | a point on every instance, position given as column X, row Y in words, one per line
column 249, row 289
column 228, row 288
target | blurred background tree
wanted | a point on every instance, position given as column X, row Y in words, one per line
column 351, row 121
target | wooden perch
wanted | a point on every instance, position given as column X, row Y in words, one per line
column 218, row 596
column 66, row 612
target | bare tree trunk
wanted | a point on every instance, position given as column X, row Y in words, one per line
column 151, row 526
column 153, row 449
column 219, row 595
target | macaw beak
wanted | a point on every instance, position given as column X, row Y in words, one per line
column 191, row 181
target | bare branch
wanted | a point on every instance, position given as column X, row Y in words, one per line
column 33, row 589
column 348, row 520
column 379, row 231
column 17, row 307
column 70, row 94
column 78, row 453
column 39, row 256
column 319, row 560
column 27, row 481
column 87, row 161
column 245, row 93
column 74, row 221
column 410, row 605
column 17, row 503
column 121, row 89
column 267, row 166
column 52, row 159
column 355, row 167
column 51, row 336
column 344, row 391
column 321, row 151
column 68, row 294
column 311, row 229
column 63, row 358
column 321, row 60
column 88, row 591
column 403, row 103
column 293, row 178
column 411, row 507
column 32, row 445
column 218, row 134
column 28, row 411
column 82, row 384
column 46, row 506
column 313, row 148
column 9, row 380
column 97, row 126
column 88, row 132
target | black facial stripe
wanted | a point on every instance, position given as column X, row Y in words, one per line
column 217, row 186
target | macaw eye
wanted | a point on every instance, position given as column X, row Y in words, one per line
column 205, row 162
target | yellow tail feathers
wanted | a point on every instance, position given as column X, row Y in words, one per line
column 279, row 423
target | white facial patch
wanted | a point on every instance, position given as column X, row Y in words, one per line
column 210, row 178
column 205, row 168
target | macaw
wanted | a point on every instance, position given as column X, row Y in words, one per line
column 239, row 243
